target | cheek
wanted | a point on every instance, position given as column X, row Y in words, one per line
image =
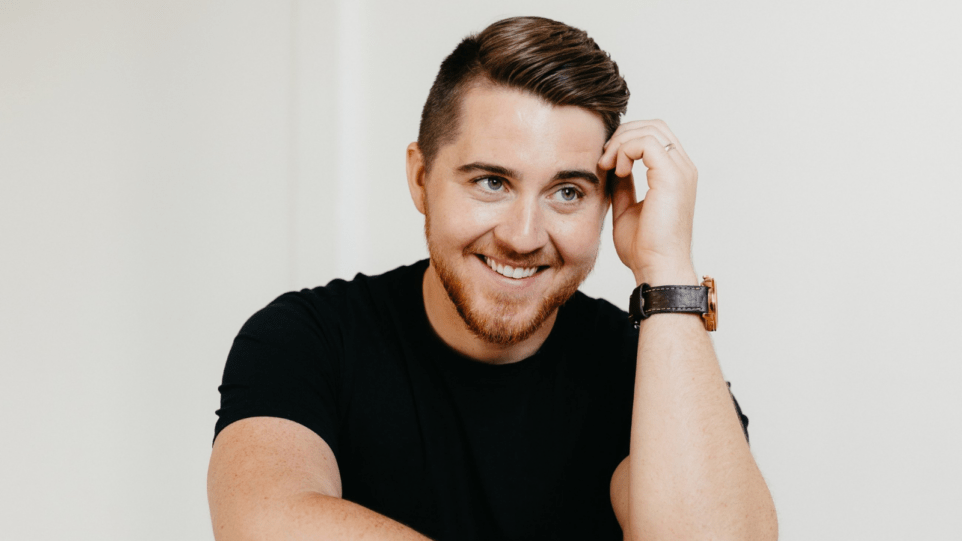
column 456, row 219
column 579, row 240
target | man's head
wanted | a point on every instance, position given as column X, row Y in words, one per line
column 548, row 59
column 506, row 172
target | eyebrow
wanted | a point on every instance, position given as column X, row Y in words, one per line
column 505, row 172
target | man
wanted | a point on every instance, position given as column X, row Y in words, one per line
column 478, row 395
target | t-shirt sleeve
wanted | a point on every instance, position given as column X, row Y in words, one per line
column 285, row 362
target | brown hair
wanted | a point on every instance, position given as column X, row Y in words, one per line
column 554, row 61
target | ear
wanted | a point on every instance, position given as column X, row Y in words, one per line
column 415, row 169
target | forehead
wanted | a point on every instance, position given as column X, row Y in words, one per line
column 523, row 132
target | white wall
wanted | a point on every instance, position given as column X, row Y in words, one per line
column 167, row 168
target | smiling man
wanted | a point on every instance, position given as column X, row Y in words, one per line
column 513, row 213
column 478, row 394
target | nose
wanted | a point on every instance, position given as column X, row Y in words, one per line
column 522, row 228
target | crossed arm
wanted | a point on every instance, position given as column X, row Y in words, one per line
column 271, row 478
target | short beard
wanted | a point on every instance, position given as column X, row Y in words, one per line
column 495, row 328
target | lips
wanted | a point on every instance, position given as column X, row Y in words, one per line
column 516, row 273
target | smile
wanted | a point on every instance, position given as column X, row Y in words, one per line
column 509, row 271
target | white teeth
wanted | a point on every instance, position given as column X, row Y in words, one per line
column 509, row 271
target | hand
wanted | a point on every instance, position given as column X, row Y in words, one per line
column 653, row 236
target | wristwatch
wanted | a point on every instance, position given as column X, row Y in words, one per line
column 646, row 301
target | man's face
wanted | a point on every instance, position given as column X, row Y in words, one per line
column 514, row 209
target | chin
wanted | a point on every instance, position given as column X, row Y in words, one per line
column 504, row 323
column 502, row 319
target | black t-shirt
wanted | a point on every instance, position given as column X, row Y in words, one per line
column 452, row 447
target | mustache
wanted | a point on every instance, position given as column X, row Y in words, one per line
column 539, row 258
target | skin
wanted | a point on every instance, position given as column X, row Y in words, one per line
column 690, row 473
column 503, row 190
column 521, row 185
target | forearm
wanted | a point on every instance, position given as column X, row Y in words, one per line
column 308, row 516
column 691, row 473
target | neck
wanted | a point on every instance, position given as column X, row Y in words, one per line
column 447, row 323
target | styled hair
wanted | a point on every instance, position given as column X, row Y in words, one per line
column 551, row 60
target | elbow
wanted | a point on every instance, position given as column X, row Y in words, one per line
column 270, row 518
column 761, row 525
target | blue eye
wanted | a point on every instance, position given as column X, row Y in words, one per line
column 492, row 183
column 569, row 193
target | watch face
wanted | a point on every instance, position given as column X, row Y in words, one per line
column 711, row 317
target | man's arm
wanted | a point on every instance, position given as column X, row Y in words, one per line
column 690, row 473
column 271, row 478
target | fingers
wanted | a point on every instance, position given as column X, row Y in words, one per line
column 623, row 195
column 620, row 156
column 646, row 140
column 657, row 124
column 641, row 128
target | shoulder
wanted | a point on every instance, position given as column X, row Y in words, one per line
column 323, row 322
column 294, row 357
column 340, row 301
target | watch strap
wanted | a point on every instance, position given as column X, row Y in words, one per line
column 646, row 300
column 670, row 299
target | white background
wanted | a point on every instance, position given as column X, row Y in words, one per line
column 168, row 168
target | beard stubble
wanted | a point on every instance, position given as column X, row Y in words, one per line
column 498, row 326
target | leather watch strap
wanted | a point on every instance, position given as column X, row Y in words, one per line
column 684, row 299
column 647, row 300
column 703, row 300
